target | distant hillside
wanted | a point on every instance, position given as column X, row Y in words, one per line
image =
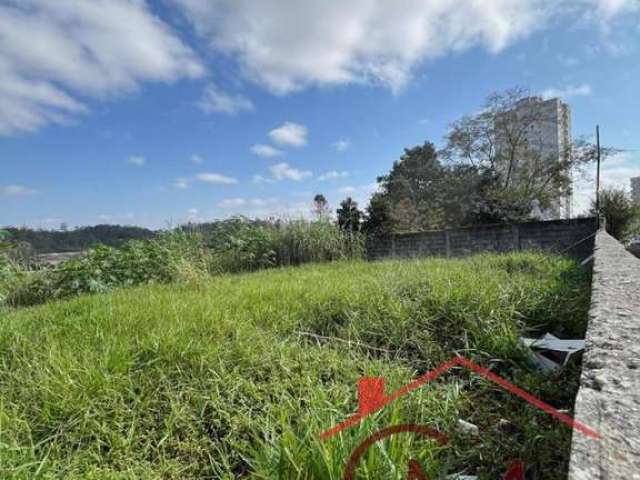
column 50, row 241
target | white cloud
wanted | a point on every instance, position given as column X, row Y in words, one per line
column 610, row 8
column 57, row 55
column 231, row 203
column 118, row 217
column 182, row 183
column 53, row 52
column 266, row 151
column 265, row 207
column 332, row 175
column 568, row 61
column 216, row 178
column 360, row 193
column 261, row 179
column 289, row 134
column 616, row 172
column 197, row 159
column 348, row 189
column 282, row 171
column 342, row 144
column 137, row 160
column 215, row 100
column 15, row 191
column 193, row 215
column 372, row 41
column 287, row 46
column 259, row 202
column 47, row 222
column 583, row 90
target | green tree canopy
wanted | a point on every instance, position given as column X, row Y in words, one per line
column 617, row 209
column 320, row 206
column 422, row 193
column 349, row 215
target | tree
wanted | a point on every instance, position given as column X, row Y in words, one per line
column 420, row 193
column 320, row 206
column 496, row 167
column 349, row 216
column 81, row 238
column 412, row 189
column 377, row 219
column 507, row 143
column 618, row 211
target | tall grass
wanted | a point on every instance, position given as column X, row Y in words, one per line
column 10, row 276
column 238, row 378
column 180, row 255
column 242, row 245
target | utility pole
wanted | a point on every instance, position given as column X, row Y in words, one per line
column 598, row 174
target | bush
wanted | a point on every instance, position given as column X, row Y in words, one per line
column 231, row 246
column 242, row 245
column 171, row 256
column 618, row 210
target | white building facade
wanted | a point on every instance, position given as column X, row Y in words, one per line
column 635, row 189
column 546, row 128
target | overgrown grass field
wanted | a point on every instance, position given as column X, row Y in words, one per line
column 236, row 376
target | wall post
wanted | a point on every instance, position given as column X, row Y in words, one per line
column 516, row 237
column 447, row 242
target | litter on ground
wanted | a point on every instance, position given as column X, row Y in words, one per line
column 550, row 353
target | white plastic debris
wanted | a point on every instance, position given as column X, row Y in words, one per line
column 549, row 353
column 503, row 423
column 467, row 428
column 586, row 260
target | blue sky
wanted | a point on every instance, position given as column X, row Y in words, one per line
column 154, row 113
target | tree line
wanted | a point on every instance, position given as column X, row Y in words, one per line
column 496, row 166
column 68, row 240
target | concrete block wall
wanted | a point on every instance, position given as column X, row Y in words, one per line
column 555, row 235
column 608, row 400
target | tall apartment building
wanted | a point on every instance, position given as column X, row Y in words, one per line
column 635, row 189
column 547, row 132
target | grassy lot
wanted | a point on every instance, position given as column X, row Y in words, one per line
column 214, row 379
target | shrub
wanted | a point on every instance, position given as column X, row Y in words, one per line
column 618, row 210
column 170, row 257
column 244, row 246
column 230, row 246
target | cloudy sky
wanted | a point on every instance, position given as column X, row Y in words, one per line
column 157, row 112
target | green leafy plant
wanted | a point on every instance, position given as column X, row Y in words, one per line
column 4, row 244
column 170, row 257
